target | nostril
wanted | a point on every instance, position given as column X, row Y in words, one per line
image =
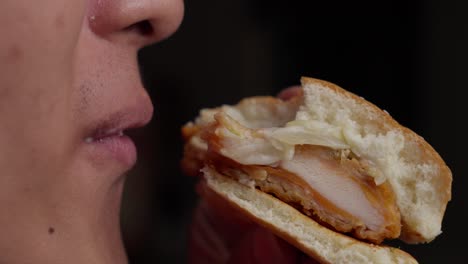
column 143, row 28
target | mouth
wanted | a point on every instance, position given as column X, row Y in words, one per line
column 114, row 144
column 108, row 138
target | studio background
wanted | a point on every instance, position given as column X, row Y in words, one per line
column 408, row 57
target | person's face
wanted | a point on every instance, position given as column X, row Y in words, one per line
column 69, row 85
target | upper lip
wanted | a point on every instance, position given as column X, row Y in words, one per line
column 116, row 123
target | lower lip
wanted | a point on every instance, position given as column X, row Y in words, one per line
column 120, row 148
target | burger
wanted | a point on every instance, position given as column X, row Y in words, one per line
column 326, row 170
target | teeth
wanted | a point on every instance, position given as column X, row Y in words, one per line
column 120, row 134
column 89, row 139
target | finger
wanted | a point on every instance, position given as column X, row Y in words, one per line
column 261, row 246
column 309, row 261
column 290, row 92
column 205, row 244
column 220, row 234
column 215, row 229
column 304, row 259
column 224, row 217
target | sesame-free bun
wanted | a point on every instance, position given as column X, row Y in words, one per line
column 317, row 241
column 419, row 177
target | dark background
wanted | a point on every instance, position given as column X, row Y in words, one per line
column 408, row 57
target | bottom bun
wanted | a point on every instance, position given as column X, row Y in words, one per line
column 319, row 242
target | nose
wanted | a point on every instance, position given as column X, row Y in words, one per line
column 135, row 22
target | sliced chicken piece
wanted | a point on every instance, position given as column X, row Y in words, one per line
column 333, row 191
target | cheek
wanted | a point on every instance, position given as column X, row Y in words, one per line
column 36, row 75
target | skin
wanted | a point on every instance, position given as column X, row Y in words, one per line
column 66, row 68
column 219, row 234
column 66, row 65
